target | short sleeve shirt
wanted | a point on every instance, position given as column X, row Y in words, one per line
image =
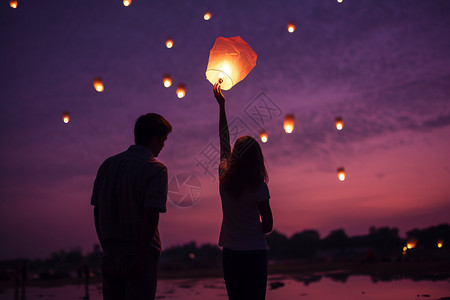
column 126, row 184
column 241, row 226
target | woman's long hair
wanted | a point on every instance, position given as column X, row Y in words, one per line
column 245, row 168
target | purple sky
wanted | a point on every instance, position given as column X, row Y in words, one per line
column 384, row 66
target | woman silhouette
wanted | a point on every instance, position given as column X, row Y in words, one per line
column 247, row 216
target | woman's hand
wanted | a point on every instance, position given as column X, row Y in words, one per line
column 218, row 94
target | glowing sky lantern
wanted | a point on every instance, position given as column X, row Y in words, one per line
column 440, row 243
column 169, row 43
column 263, row 136
column 66, row 117
column 167, row 80
column 339, row 1
column 291, row 27
column 207, row 16
column 230, row 61
column 341, row 174
column 289, row 123
column 339, row 123
column 181, row 91
column 127, row 2
column 98, row 85
column 13, row 4
column 411, row 243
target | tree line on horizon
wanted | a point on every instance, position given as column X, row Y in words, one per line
column 381, row 243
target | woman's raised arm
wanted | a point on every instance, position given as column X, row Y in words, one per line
column 224, row 134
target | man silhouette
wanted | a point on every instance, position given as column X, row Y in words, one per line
column 129, row 192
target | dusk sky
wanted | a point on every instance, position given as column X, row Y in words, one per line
column 383, row 66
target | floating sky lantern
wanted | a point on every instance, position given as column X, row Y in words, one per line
column 98, row 85
column 339, row 1
column 291, row 27
column 167, row 80
column 66, row 117
column 127, row 2
column 263, row 136
column 13, row 4
column 411, row 244
column 440, row 243
column 341, row 174
column 339, row 123
column 169, row 43
column 230, row 61
column 181, row 91
column 289, row 123
column 207, row 16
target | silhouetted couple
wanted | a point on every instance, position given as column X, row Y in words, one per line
column 130, row 191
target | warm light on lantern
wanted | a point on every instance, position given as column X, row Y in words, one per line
column 127, row 2
column 341, row 174
column 291, row 27
column 98, row 85
column 13, row 4
column 440, row 243
column 339, row 123
column 411, row 244
column 207, row 16
column 66, row 117
column 169, row 43
column 289, row 123
column 167, row 81
column 339, row 1
column 263, row 136
column 230, row 59
column 181, row 91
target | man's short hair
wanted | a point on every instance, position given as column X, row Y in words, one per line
column 148, row 126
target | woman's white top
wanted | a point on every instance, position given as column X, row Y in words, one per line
column 241, row 224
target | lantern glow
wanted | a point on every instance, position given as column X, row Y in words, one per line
column 291, row 27
column 440, row 243
column 339, row 1
column 411, row 244
column 181, row 91
column 127, row 2
column 341, row 174
column 66, row 117
column 339, row 123
column 169, row 43
column 230, row 59
column 263, row 136
column 98, row 85
column 207, row 16
column 167, row 81
column 13, row 4
column 289, row 123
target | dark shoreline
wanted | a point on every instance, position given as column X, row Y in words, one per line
column 305, row 271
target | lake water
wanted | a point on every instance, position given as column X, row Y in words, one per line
column 280, row 287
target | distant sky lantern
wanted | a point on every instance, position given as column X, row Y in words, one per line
column 167, row 80
column 440, row 243
column 169, row 43
column 411, row 243
column 339, row 123
column 230, row 61
column 289, row 123
column 66, row 117
column 291, row 27
column 263, row 136
column 181, row 91
column 127, row 2
column 341, row 174
column 339, row 1
column 207, row 16
column 13, row 4
column 98, row 85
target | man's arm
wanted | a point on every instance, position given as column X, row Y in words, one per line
column 266, row 216
column 148, row 230
column 97, row 228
